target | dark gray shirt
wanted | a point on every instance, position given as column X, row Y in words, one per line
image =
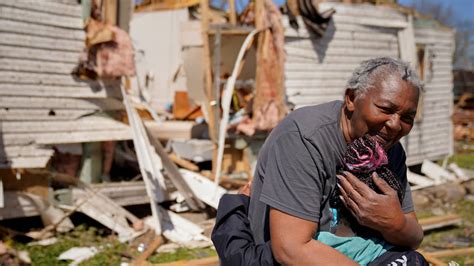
column 296, row 170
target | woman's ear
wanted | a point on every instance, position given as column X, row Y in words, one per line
column 349, row 99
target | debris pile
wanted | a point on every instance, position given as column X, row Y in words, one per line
column 436, row 197
column 463, row 118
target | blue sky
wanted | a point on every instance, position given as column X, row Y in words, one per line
column 464, row 9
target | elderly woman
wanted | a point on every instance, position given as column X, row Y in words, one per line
column 289, row 219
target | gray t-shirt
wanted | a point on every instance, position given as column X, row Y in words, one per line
column 296, row 170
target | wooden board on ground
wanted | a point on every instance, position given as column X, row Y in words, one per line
column 440, row 221
column 436, row 172
column 209, row 261
column 452, row 252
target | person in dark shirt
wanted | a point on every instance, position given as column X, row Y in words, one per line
column 297, row 174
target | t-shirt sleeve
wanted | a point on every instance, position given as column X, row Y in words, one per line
column 293, row 177
column 397, row 163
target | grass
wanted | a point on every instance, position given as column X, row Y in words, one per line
column 182, row 254
column 433, row 239
column 112, row 252
column 463, row 160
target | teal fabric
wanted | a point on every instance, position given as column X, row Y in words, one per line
column 359, row 249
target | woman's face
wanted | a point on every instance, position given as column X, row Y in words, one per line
column 386, row 112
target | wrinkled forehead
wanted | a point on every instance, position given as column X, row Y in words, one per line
column 392, row 84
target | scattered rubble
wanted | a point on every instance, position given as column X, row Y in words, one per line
column 88, row 137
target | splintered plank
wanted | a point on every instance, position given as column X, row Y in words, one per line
column 440, row 221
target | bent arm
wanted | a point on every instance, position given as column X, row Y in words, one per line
column 293, row 244
column 408, row 234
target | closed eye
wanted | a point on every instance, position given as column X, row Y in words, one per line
column 408, row 119
column 385, row 109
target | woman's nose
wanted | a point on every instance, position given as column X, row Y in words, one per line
column 394, row 123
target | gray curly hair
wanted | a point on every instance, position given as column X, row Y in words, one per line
column 365, row 76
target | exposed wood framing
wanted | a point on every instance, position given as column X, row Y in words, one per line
column 110, row 8
column 184, row 163
column 211, row 103
column 232, row 14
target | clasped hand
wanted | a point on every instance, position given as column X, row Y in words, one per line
column 381, row 212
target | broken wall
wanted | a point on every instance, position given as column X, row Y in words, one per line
column 432, row 136
column 41, row 103
column 156, row 37
column 317, row 69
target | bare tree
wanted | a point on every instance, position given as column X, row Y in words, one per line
column 463, row 56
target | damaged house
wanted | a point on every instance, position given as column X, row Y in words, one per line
column 208, row 83
column 64, row 113
column 318, row 67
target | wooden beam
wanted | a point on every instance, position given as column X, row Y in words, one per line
column 207, row 65
column 184, row 163
column 175, row 176
column 209, row 261
column 141, row 259
column 210, row 103
column 232, row 14
column 110, row 9
column 216, row 93
column 259, row 10
column 440, row 221
column 452, row 252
